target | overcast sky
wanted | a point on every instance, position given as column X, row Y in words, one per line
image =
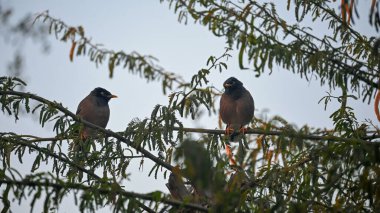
column 150, row 28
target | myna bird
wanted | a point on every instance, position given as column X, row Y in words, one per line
column 236, row 108
column 94, row 109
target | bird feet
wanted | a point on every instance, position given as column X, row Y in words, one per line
column 229, row 130
column 243, row 130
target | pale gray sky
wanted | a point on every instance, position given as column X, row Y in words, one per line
column 149, row 28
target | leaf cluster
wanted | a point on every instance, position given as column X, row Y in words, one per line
column 264, row 39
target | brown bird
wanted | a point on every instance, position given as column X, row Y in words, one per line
column 236, row 108
column 94, row 109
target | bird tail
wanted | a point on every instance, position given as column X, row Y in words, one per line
column 233, row 136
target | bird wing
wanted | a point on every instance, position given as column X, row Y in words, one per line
column 227, row 109
column 82, row 105
column 245, row 108
column 91, row 111
column 79, row 108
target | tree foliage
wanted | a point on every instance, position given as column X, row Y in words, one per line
column 279, row 167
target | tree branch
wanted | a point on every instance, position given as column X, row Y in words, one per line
column 47, row 152
column 286, row 133
column 151, row 70
column 344, row 68
column 30, row 144
column 254, row 131
column 106, row 192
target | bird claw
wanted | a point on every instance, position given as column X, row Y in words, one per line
column 243, row 130
column 229, row 130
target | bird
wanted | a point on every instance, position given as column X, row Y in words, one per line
column 236, row 108
column 94, row 109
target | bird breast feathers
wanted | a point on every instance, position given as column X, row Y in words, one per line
column 93, row 113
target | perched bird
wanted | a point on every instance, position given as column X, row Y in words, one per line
column 94, row 109
column 236, row 108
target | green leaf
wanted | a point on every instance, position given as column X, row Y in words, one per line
column 241, row 52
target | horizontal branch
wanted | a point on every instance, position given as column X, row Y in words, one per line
column 103, row 191
column 291, row 134
column 254, row 131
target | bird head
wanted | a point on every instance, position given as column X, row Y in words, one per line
column 103, row 94
column 232, row 83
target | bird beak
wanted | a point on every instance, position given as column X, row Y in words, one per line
column 113, row 96
column 226, row 85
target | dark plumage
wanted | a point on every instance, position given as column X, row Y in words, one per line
column 236, row 106
column 94, row 109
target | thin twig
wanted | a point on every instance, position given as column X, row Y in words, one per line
column 169, row 75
